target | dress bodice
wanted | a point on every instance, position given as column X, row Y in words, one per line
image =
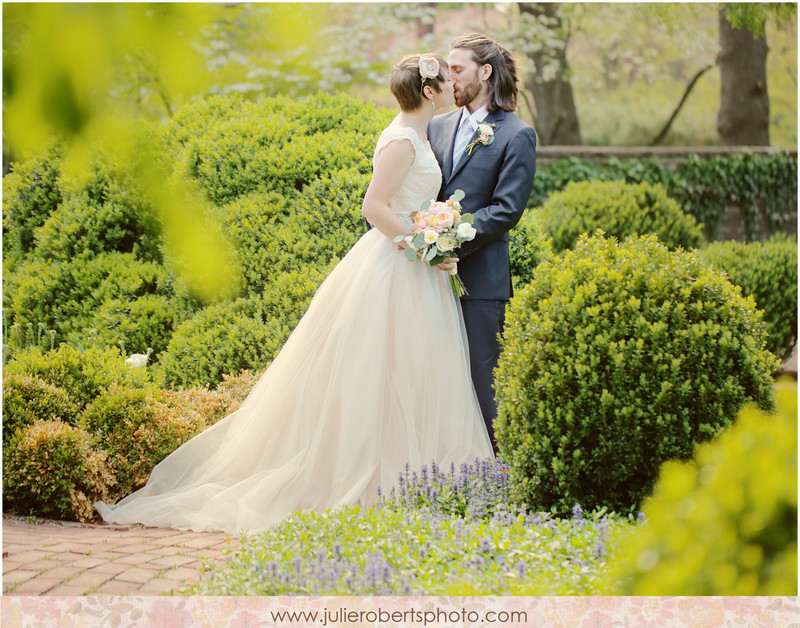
column 425, row 177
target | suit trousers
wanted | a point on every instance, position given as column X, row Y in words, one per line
column 484, row 320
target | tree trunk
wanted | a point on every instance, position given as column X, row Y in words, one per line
column 424, row 28
column 743, row 118
column 555, row 119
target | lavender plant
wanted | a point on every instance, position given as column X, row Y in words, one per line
column 437, row 532
column 392, row 551
column 478, row 490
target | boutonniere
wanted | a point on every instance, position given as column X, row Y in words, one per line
column 485, row 136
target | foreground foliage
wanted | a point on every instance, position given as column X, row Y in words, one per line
column 442, row 533
column 724, row 523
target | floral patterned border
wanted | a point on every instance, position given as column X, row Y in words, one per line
column 253, row 612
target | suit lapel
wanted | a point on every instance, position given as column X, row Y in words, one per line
column 492, row 118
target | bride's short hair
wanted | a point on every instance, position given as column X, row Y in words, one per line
column 406, row 80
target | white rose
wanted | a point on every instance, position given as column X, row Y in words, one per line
column 430, row 236
column 466, row 231
column 485, row 129
column 447, row 242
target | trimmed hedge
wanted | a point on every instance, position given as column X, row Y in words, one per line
column 766, row 271
column 616, row 358
column 619, row 209
column 724, row 523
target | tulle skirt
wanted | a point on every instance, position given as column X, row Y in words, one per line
column 375, row 376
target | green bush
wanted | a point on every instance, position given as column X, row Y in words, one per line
column 237, row 387
column 30, row 193
column 81, row 227
column 724, row 523
column 287, row 179
column 286, row 298
column 766, row 271
column 147, row 321
column 138, row 431
column 27, row 398
column 83, row 374
column 616, row 358
column 233, row 147
column 222, row 338
column 619, row 209
column 68, row 296
column 50, row 469
column 528, row 247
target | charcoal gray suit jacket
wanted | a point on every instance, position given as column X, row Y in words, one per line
column 497, row 181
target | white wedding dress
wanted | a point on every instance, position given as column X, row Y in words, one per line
column 375, row 375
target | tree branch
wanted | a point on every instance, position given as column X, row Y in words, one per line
column 663, row 133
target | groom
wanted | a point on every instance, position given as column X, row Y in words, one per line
column 495, row 170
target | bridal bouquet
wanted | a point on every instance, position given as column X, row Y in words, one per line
column 437, row 229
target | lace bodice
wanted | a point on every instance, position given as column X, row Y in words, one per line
column 425, row 177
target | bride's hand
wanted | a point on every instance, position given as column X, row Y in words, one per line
column 450, row 265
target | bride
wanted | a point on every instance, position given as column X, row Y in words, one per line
column 375, row 375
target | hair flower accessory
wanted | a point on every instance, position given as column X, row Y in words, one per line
column 428, row 69
column 485, row 136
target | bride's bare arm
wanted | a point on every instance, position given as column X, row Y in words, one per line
column 391, row 167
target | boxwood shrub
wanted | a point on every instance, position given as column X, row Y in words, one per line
column 222, row 338
column 82, row 374
column 50, row 469
column 620, row 209
column 766, row 271
column 529, row 246
column 27, row 398
column 724, row 523
column 616, row 358
column 137, row 432
column 234, row 147
column 31, row 192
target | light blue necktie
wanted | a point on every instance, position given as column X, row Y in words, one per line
column 462, row 139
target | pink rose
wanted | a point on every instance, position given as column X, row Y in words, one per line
column 445, row 219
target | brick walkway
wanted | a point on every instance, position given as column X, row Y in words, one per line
column 62, row 558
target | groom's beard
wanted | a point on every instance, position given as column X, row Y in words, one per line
column 469, row 92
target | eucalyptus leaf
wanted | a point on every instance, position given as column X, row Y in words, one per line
column 411, row 254
column 399, row 238
column 431, row 254
column 458, row 195
column 468, row 218
column 419, row 241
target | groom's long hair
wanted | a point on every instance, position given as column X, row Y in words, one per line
column 503, row 80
